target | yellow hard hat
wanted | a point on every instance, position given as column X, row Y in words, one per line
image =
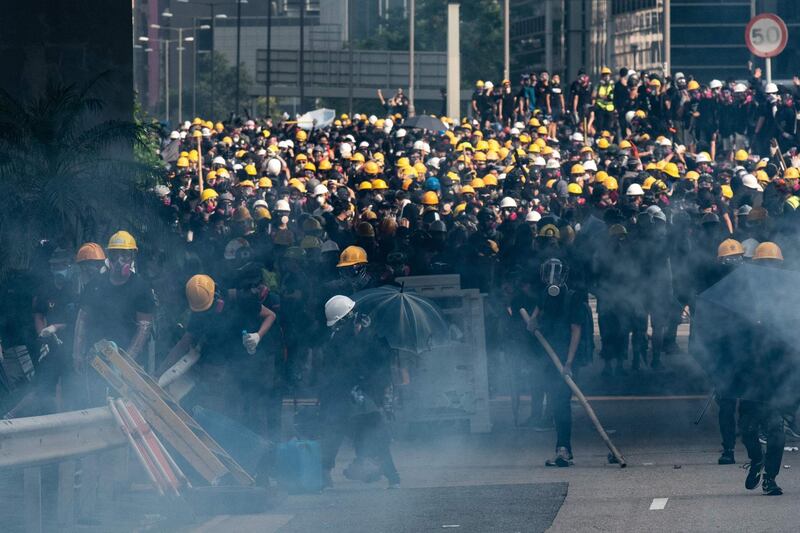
column 604, row 71
column 768, row 250
column 297, row 184
column 208, row 194
column 792, row 173
column 250, row 169
column 122, row 240
column 671, row 170
column 372, row 168
column 301, row 135
column 262, row 213
column 264, row 183
column 574, row 188
column 246, row 183
column 403, row 162
column 479, row 156
column 692, row 85
column 624, row 144
column 577, row 170
column 310, row 166
column 601, row 177
column 477, row 183
column 365, row 186
column 210, row 175
column 430, row 198
column 183, row 162
column 692, row 175
column 325, row 165
column 648, row 182
column 727, row 192
column 196, row 134
column 741, row 155
column 603, row 144
column 352, row 255
column 379, row 185
column 762, row 176
column 200, row 292
column 729, row 247
column 358, row 156
column 490, row 180
column 301, row 158
column 467, row 189
column 611, row 183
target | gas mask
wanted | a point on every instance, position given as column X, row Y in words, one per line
column 121, row 263
column 553, row 274
column 62, row 275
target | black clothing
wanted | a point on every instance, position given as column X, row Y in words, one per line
column 112, row 308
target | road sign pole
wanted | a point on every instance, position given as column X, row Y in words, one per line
column 769, row 69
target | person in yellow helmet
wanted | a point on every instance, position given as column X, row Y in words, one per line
column 226, row 330
column 116, row 306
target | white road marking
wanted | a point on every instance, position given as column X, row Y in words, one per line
column 658, row 504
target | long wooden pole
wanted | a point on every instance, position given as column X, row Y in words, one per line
column 200, row 164
column 577, row 392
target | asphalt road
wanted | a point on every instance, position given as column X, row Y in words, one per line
column 498, row 482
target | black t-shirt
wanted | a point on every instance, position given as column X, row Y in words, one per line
column 556, row 318
column 218, row 331
column 112, row 308
column 508, row 103
column 59, row 306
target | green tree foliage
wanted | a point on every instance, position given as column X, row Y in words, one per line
column 224, row 86
column 481, row 35
column 68, row 175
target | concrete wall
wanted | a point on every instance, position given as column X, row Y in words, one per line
column 72, row 41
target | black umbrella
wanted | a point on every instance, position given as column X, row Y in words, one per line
column 424, row 122
column 406, row 320
column 744, row 333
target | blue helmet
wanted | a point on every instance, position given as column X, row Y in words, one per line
column 432, row 184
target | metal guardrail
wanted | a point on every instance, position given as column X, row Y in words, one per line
column 38, row 440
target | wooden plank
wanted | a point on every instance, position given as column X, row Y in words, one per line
column 209, row 473
column 174, row 416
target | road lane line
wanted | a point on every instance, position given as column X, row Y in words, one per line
column 658, row 504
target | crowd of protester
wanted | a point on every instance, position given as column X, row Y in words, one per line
column 635, row 190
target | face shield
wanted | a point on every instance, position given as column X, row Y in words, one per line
column 553, row 274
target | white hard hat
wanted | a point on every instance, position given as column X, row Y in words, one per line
column 419, row 145
column 519, row 125
column 282, row 205
column 577, row 137
column 373, row 119
column 320, row 190
column 434, row 162
column 387, row 124
column 634, row 189
column 539, row 161
column 664, row 142
column 337, row 308
column 283, row 144
column 219, row 160
column 715, row 84
column 590, row 165
column 739, row 88
column 751, row 182
column 274, row 166
column 556, row 154
column 174, row 135
column 771, row 88
column 629, row 116
column 533, row 216
column 186, row 125
column 290, row 143
column 363, row 144
column 400, row 133
column 161, row 190
column 514, row 131
column 508, row 202
column 346, row 150
column 703, row 157
column 552, row 164
column 260, row 203
column 237, row 166
column 206, row 132
column 488, row 85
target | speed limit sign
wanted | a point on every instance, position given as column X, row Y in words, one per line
column 766, row 35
